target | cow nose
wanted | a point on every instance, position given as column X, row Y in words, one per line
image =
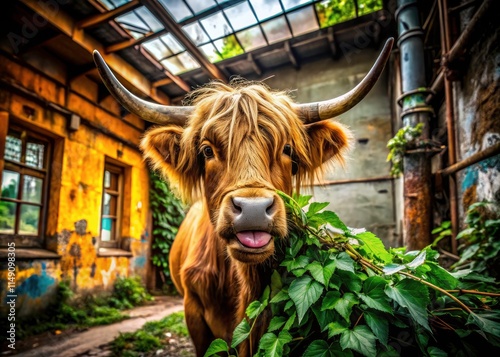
column 253, row 213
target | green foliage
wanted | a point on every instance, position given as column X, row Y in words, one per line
column 339, row 292
column 168, row 214
column 129, row 292
column 230, row 48
column 398, row 145
column 150, row 337
column 480, row 247
column 332, row 12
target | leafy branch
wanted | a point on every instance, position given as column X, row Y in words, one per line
column 338, row 291
column 399, row 143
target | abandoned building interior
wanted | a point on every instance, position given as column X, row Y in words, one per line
column 75, row 188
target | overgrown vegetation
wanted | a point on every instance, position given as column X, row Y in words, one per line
column 339, row 292
column 397, row 146
column 168, row 214
column 332, row 12
column 88, row 311
column 152, row 336
column 479, row 244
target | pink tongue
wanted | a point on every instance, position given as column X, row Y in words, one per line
column 253, row 239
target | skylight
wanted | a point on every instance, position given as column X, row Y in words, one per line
column 223, row 29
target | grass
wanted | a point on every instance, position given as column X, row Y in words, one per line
column 151, row 336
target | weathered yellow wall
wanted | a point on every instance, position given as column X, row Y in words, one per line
column 74, row 236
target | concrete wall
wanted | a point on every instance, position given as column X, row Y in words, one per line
column 70, row 249
column 364, row 204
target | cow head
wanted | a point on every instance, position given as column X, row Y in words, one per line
column 239, row 143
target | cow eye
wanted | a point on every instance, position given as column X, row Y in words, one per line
column 287, row 150
column 208, row 152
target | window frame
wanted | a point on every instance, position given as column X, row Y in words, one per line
column 115, row 168
column 28, row 240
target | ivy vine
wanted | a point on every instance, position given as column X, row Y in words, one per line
column 398, row 144
column 336, row 291
column 168, row 213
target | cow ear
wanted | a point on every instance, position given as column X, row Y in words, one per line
column 328, row 141
column 161, row 146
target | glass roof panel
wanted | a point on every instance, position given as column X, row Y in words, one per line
column 216, row 25
column 332, row 12
column 251, row 38
column 196, row 33
column 151, row 21
column 113, row 4
column 303, row 21
column 367, row 6
column 130, row 21
column 172, row 43
column 211, row 53
column 177, row 8
column 200, row 5
column 291, row 4
column 276, row 30
column 228, row 47
column 266, row 8
column 157, row 48
column 180, row 63
column 240, row 16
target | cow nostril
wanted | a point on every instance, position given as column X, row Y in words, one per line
column 236, row 201
column 271, row 208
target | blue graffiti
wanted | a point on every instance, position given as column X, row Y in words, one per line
column 140, row 261
column 36, row 285
column 471, row 173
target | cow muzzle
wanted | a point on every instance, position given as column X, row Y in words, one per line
column 250, row 219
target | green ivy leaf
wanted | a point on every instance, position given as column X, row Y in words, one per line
column 282, row 295
column 217, row 346
column 336, row 328
column 436, row 352
column 374, row 246
column 316, row 270
column 254, row 309
column 304, row 292
column 373, row 294
column 318, row 348
column 359, row 339
column 290, row 321
column 272, row 345
column 276, row 323
column 379, row 326
column 414, row 296
column 486, row 323
column 344, row 305
column 295, row 263
column 343, row 261
column 333, row 219
column 315, row 207
column 241, row 333
column 440, row 277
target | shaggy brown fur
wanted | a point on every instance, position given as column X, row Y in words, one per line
column 242, row 141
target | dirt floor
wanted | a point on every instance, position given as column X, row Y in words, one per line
column 96, row 341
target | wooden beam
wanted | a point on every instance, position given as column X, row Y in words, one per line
column 133, row 42
column 291, row 55
column 78, row 71
column 162, row 82
column 166, row 20
column 97, row 19
column 255, row 66
column 64, row 23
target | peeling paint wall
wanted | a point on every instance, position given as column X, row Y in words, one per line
column 76, row 191
column 477, row 98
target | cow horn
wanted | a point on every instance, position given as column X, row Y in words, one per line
column 317, row 111
column 152, row 112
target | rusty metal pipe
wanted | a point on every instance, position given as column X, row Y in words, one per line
column 450, row 121
column 471, row 160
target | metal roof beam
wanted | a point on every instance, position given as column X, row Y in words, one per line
column 164, row 17
column 98, row 19
column 66, row 25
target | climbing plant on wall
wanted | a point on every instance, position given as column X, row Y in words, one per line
column 168, row 213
